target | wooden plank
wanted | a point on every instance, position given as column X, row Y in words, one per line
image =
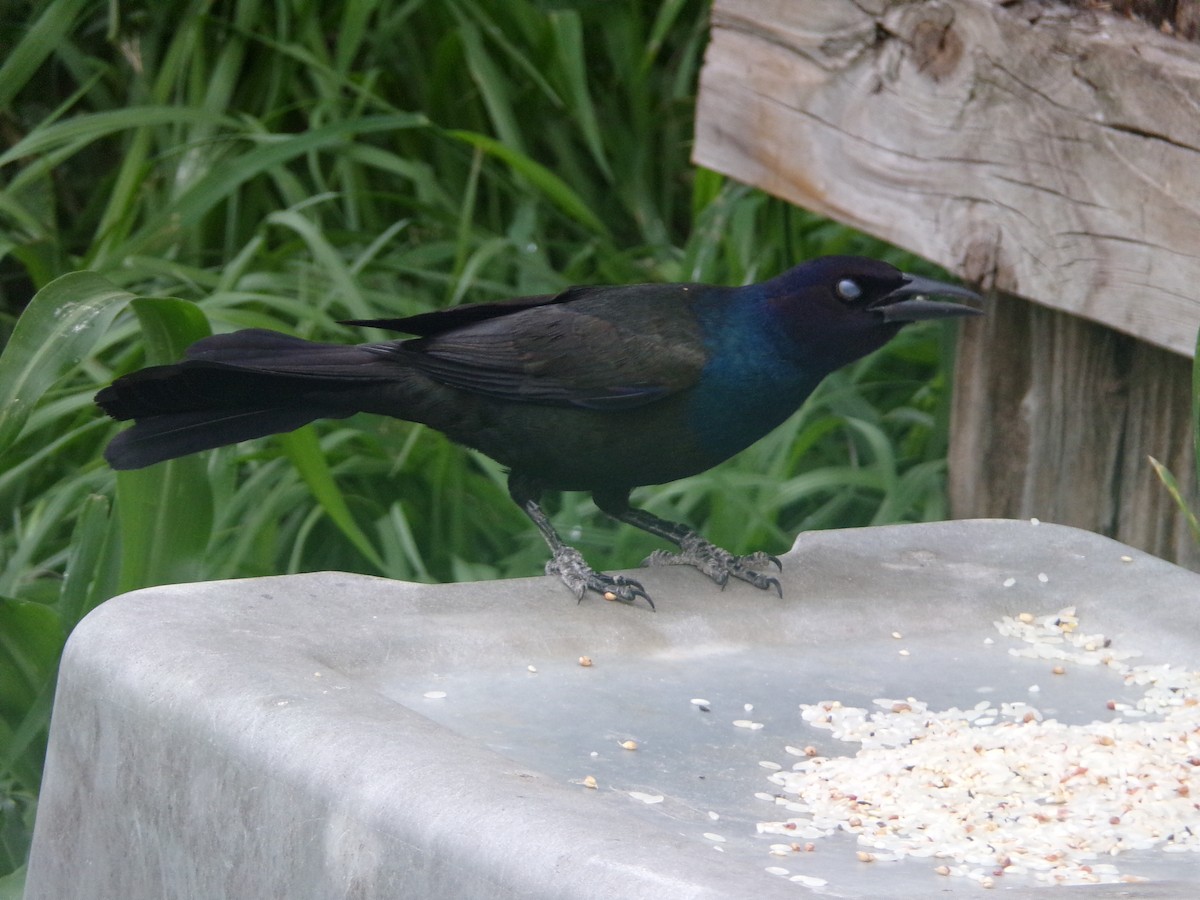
column 1042, row 150
column 1054, row 417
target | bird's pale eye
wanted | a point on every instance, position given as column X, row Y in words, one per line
column 848, row 289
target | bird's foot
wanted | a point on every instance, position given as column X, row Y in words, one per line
column 579, row 577
column 719, row 564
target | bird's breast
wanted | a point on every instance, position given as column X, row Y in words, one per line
column 742, row 397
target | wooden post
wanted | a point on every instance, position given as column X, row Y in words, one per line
column 1055, row 417
column 1043, row 151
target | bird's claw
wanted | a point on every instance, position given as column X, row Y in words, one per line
column 719, row 564
column 568, row 564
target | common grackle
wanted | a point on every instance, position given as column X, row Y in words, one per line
column 598, row 389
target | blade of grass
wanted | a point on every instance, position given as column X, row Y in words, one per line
column 1168, row 479
column 165, row 511
column 57, row 329
column 571, row 65
column 30, row 645
column 1165, row 475
column 304, row 451
column 40, row 39
column 329, row 261
column 550, row 185
column 88, row 542
column 12, row 885
column 1196, row 406
column 218, row 185
column 79, row 131
column 492, row 87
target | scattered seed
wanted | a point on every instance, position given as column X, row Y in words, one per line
column 1009, row 582
column 897, row 635
column 585, row 661
column 712, row 836
column 531, row 668
column 1043, row 577
column 435, row 695
column 629, row 745
column 777, row 870
column 590, row 782
column 1059, row 670
column 648, row 799
column 1136, row 774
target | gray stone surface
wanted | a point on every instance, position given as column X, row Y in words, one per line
column 272, row 738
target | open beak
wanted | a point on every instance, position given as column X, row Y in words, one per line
column 910, row 303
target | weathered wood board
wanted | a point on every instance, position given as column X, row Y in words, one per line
column 1055, row 417
column 1034, row 148
column 1042, row 150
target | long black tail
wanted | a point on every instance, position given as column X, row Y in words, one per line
column 233, row 387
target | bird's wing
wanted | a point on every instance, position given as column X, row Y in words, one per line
column 442, row 320
column 603, row 348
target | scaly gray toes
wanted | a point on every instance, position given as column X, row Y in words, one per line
column 579, row 577
column 718, row 564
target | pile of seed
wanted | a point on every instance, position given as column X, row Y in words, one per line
column 1000, row 790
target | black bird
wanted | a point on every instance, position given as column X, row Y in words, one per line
column 598, row 389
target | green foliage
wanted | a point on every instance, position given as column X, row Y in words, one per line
column 174, row 168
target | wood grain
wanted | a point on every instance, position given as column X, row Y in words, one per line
column 1055, row 418
column 1034, row 148
column 1046, row 151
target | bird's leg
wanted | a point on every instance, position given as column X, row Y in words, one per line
column 694, row 550
column 566, row 562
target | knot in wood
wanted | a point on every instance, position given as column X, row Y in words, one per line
column 983, row 261
column 937, row 48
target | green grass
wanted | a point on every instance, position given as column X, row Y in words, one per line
column 171, row 169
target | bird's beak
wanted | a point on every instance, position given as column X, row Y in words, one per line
column 910, row 303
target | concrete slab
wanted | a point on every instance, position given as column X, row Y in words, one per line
column 287, row 737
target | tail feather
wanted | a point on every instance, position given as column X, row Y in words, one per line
column 234, row 387
column 280, row 354
column 172, row 435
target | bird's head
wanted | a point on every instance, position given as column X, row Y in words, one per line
column 843, row 307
